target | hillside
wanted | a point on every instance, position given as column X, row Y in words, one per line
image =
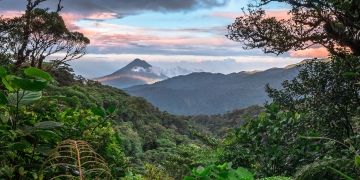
column 219, row 125
column 209, row 93
column 146, row 134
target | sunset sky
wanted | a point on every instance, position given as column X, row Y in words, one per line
column 166, row 33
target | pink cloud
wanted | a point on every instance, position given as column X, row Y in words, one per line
column 319, row 52
column 10, row 14
column 102, row 16
column 194, row 41
column 72, row 18
column 69, row 18
column 103, row 34
column 120, row 39
column 278, row 14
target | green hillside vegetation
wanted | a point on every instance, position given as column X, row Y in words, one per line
column 221, row 124
column 56, row 125
column 126, row 131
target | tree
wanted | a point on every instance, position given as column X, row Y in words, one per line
column 333, row 24
column 328, row 92
column 40, row 35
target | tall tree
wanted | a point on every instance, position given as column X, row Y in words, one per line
column 333, row 24
column 40, row 35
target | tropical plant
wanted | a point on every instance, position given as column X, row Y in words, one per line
column 328, row 92
column 225, row 172
column 271, row 144
column 75, row 160
column 220, row 172
column 24, row 138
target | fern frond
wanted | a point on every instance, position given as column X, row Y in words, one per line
column 75, row 160
column 323, row 169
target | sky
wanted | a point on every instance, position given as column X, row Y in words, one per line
column 166, row 33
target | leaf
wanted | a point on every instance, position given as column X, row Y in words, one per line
column 98, row 111
column 26, row 84
column 43, row 149
column 2, row 72
column 357, row 160
column 276, row 178
column 20, row 145
column 48, row 125
column 22, row 171
column 345, row 176
column 111, row 109
column 24, row 97
column 7, row 85
column 46, row 135
column 37, row 73
column 243, row 174
column 350, row 74
column 3, row 99
column 4, row 117
column 203, row 172
column 189, row 178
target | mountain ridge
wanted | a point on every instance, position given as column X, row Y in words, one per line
column 212, row 93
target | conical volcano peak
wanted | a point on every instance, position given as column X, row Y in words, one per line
column 138, row 63
column 137, row 72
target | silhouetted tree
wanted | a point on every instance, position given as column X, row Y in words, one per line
column 40, row 35
column 334, row 24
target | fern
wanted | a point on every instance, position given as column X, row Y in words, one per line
column 75, row 160
column 324, row 169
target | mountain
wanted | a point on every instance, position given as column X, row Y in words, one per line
column 209, row 93
column 137, row 72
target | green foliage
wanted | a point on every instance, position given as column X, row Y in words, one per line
column 131, row 176
column 327, row 169
column 36, row 73
column 155, row 173
column 2, row 72
column 220, row 125
column 221, row 172
column 270, row 144
column 326, row 93
column 24, row 138
column 312, row 123
column 3, row 99
column 23, row 97
column 32, row 125
column 225, row 172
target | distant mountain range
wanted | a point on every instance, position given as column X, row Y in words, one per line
column 200, row 92
column 137, row 72
column 209, row 93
